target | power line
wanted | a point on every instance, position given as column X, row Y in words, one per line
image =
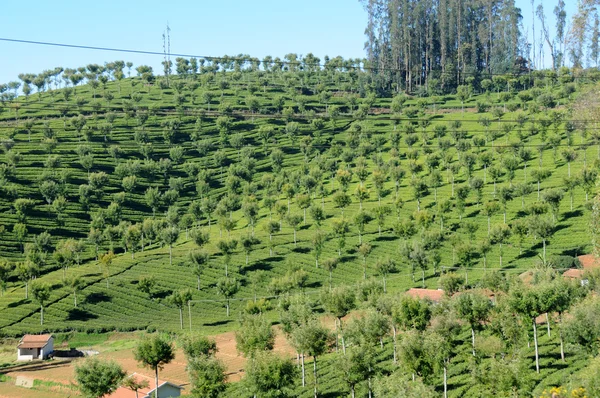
column 263, row 61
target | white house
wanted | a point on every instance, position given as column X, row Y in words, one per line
column 166, row 389
column 35, row 346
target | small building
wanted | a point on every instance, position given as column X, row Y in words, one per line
column 434, row 295
column 166, row 389
column 35, row 346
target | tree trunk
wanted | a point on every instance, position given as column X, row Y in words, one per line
column 190, row 313
column 303, row 370
column 315, row 373
column 343, row 340
column 75, row 298
column 562, row 345
column 156, row 380
column 41, row 314
column 394, row 343
column 181, row 317
column 473, row 340
column 544, row 256
column 535, row 342
column 445, row 380
column 170, row 254
column 548, row 324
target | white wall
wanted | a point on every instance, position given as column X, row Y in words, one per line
column 48, row 349
column 166, row 391
column 26, row 354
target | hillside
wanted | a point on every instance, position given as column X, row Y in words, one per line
column 312, row 164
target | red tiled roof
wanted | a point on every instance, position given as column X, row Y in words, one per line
column 431, row 294
column 588, row 261
column 34, row 340
column 573, row 273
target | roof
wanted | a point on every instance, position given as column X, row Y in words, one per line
column 431, row 294
column 588, row 261
column 573, row 273
column 123, row 392
column 34, row 341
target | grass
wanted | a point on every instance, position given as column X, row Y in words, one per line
column 122, row 307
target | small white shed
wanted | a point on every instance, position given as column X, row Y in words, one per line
column 35, row 346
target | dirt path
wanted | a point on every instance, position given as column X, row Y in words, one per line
column 63, row 371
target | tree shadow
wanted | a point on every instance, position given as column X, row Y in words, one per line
column 219, row 323
column 384, row 238
column 161, row 294
column 77, row 314
column 527, row 253
column 302, row 250
column 257, row 265
column 98, row 297
column 17, row 303
column 571, row 214
column 574, row 252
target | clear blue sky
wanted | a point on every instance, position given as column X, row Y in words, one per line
column 258, row 28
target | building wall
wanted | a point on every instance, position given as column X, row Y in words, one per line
column 166, row 391
column 48, row 349
column 26, row 354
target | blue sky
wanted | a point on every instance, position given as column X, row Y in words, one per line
column 258, row 28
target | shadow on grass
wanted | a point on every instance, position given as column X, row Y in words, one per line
column 219, row 323
column 98, row 297
column 92, row 275
column 258, row 265
column 574, row 252
column 302, row 250
column 17, row 303
column 77, row 314
column 385, row 238
column 527, row 253
column 161, row 294
column 571, row 214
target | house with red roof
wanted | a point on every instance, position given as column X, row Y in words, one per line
column 588, row 262
column 166, row 389
column 434, row 295
column 32, row 346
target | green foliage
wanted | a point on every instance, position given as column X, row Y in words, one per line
column 97, row 378
column 255, row 335
column 207, row 376
column 268, row 375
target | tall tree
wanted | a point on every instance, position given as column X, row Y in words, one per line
column 154, row 352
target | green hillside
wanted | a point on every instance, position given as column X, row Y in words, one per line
column 316, row 167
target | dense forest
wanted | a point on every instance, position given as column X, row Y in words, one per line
column 432, row 46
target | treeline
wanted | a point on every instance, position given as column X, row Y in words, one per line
column 440, row 43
